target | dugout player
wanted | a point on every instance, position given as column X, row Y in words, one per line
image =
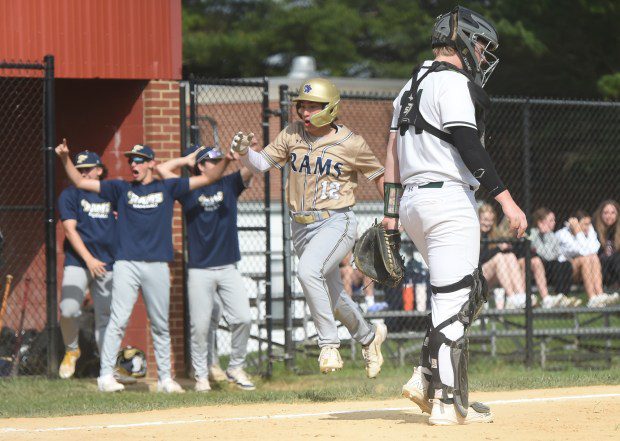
column 89, row 225
column 323, row 158
column 436, row 155
column 143, row 250
column 213, row 252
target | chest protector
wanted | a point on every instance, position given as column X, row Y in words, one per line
column 410, row 114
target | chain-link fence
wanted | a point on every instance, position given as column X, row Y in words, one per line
column 27, row 237
column 558, row 158
column 557, row 154
column 217, row 110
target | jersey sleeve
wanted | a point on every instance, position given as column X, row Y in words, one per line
column 177, row 187
column 67, row 206
column 184, row 199
column 112, row 190
column 455, row 103
column 366, row 161
column 236, row 182
column 276, row 153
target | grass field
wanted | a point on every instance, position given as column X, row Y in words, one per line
column 39, row 397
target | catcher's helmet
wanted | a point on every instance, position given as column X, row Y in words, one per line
column 131, row 362
column 320, row 90
column 462, row 29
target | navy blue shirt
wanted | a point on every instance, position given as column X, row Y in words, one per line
column 95, row 225
column 144, row 228
column 211, row 217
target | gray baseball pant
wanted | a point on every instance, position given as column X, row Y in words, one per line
column 154, row 279
column 203, row 285
column 216, row 316
column 75, row 282
column 320, row 247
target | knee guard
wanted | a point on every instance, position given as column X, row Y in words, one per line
column 459, row 349
column 425, row 356
column 70, row 308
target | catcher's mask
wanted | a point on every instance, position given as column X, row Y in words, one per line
column 320, row 90
column 467, row 32
column 131, row 362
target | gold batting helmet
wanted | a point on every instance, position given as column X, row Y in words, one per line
column 320, row 90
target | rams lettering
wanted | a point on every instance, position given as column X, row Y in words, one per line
column 323, row 166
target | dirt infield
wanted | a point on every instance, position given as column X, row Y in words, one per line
column 549, row 414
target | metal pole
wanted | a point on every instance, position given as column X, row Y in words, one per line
column 194, row 133
column 50, row 218
column 268, row 299
column 289, row 348
column 529, row 316
column 186, row 318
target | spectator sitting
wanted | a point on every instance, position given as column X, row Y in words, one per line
column 499, row 263
column 606, row 226
column 558, row 270
column 538, row 271
column 579, row 244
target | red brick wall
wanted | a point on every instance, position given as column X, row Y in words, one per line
column 162, row 132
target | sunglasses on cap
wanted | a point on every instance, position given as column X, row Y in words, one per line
column 136, row 159
column 211, row 160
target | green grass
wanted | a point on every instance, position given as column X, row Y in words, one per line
column 39, row 397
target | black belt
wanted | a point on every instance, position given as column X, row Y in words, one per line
column 439, row 184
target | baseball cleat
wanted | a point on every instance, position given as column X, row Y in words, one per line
column 329, row 360
column 372, row 353
column 107, row 383
column 446, row 415
column 416, row 389
column 217, row 374
column 202, row 385
column 240, row 378
column 67, row 367
column 169, row 386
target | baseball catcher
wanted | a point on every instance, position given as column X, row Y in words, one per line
column 435, row 162
column 377, row 255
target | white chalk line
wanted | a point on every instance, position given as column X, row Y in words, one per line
column 286, row 416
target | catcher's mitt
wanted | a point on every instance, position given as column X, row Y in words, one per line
column 376, row 254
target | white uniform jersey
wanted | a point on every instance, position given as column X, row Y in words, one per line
column 445, row 102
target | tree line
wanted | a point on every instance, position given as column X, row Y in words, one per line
column 548, row 48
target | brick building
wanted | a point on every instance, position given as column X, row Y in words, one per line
column 117, row 69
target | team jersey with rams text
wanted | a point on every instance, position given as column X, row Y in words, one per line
column 323, row 171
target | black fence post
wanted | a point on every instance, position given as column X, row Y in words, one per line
column 268, row 285
column 194, row 130
column 527, row 204
column 186, row 317
column 50, row 218
column 289, row 348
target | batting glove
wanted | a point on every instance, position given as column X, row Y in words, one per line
column 241, row 142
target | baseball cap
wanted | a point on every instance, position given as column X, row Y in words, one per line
column 87, row 159
column 144, row 151
column 209, row 153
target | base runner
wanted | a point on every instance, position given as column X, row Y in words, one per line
column 323, row 158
